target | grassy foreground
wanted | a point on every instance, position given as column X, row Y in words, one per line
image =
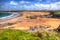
column 9, row 34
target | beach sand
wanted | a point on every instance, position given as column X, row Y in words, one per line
column 24, row 23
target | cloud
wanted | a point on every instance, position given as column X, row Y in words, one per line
column 38, row 6
column 13, row 3
column 22, row 5
column 22, row 2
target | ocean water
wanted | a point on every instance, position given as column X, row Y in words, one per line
column 3, row 14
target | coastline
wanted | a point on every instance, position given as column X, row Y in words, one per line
column 13, row 15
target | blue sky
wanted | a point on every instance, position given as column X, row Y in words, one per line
column 29, row 4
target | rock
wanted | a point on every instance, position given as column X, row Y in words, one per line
column 31, row 28
column 58, row 29
column 36, row 27
column 32, row 17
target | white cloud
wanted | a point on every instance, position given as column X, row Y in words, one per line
column 13, row 3
column 22, row 2
column 51, row 6
column 38, row 6
column 31, row 6
column 55, row 6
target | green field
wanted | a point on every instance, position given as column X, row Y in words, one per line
column 9, row 34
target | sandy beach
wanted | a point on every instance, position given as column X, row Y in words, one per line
column 24, row 23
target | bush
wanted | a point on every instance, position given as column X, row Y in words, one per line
column 9, row 34
column 16, row 35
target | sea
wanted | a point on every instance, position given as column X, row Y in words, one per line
column 3, row 14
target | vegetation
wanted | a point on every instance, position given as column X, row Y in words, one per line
column 57, row 12
column 9, row 34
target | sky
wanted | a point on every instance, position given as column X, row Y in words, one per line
column 29, row 4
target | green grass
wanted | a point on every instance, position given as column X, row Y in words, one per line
column 16, row 35
column 57, row 12
column 9, row 34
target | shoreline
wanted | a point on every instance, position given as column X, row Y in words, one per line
column 13, row 15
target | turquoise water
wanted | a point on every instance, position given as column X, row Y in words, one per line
column 3, row 14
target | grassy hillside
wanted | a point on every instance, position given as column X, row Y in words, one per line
column 9, row 34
